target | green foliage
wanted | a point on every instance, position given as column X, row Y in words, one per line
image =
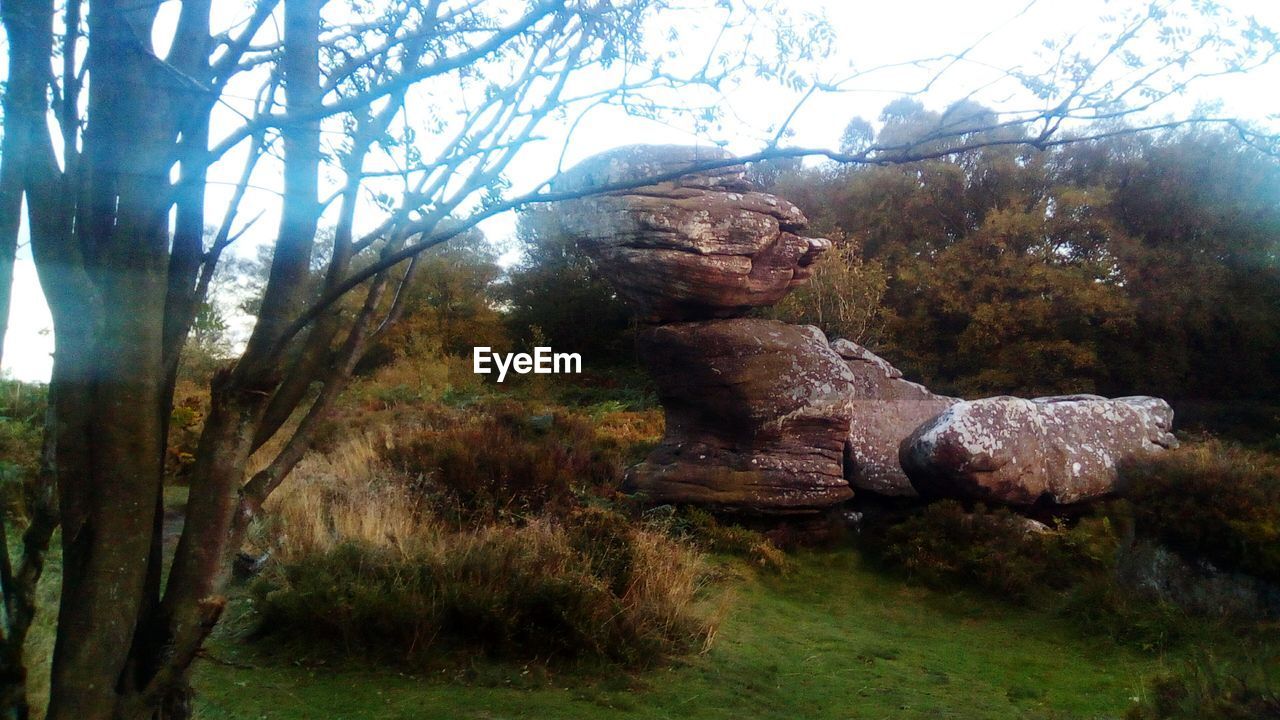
column 208, row 344
column 1207, row 688
column 620, row 387
column 842, row 297
column 1194, row 222
column 1102, row 606
column 1069, row 570
column 22, row 410
column 831, row 639
column 996, row 551
column 1133, row 264
column 554, row 292
column 1211, row 500
column 502, row 459
column 418, row 373
column 594, row 589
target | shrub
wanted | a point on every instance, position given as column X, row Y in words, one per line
column 702, row 528
column 22, row 407
column 1207, row 689
column 1069, row 570
column 1103, row 606
column 994, row 550
column 22, row 401
column 1211, row 500
column 361, row 572
column 503, row 460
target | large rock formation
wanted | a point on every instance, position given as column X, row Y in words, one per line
column 886, row 409
column 757, row 410
column 767, row 417
column 695, row 247
column 757, row 416
column 1047, row 451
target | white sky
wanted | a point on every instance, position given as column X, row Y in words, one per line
column 870, row 33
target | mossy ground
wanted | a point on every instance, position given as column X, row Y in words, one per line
column 830, row 639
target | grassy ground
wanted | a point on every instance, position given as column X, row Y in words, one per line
column 832, row 639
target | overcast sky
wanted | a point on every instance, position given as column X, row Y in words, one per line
column 870, row 33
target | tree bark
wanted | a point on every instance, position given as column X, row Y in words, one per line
column 10, row 217
column 192, row 600
column 108, row 371
column 29, row 27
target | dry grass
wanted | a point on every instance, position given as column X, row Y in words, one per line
column 364, row 565
column 343, row 495
column 630, row 427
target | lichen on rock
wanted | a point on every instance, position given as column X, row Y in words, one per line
column 1047, row 451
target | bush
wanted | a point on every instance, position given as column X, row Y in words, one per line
column 22, row 408
column 993, row 550
column 1069, row 570
column 1206, row 689
column 589, row 588
column 1214, row 501
column 1103, row 606
column 503, row 460
column 701, row 528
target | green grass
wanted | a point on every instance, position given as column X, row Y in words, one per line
column 831, row 639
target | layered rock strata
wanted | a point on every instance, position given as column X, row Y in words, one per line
column 757, row 416
column 696, row 247
column 757, row 411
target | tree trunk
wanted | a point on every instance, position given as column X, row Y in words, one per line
column 192, row 600
column 109, row 369
column 10, row 220
column 29, row 27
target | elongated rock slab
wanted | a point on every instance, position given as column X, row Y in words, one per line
column 1042, row 452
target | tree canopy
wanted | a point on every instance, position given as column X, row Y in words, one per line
column 1126, row 264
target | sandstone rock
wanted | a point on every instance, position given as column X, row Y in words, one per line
column 1047, row 451
column 757, row 416
column 700, row 246
column 886, row 409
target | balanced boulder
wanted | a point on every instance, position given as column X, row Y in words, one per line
column 1042, row 452
column 757, row 411
column 886, row 409
column 693, row 247
column 757, row 416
